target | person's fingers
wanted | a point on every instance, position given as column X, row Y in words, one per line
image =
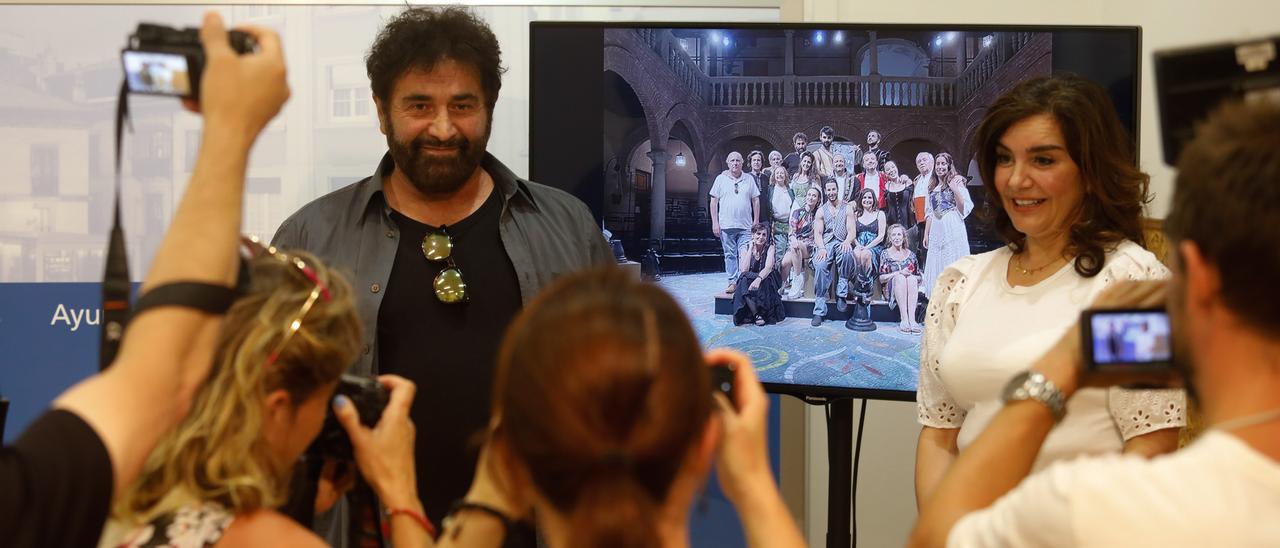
column 402, row 393
column 191, row 105
column 1132, row 294
column 213, row 35
column 268, row 40
column 747, row 388
column 723, row 406
column 345, row 412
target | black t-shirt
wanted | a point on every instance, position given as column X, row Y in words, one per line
column 448, row 350
column 55, row 484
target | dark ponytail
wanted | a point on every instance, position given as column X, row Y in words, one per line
column 604, row 419
column 614, row 510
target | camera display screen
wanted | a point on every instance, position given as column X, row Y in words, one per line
column 1130, row 337
column 157, row 73
column 640, row 122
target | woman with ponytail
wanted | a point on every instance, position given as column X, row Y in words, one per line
column 605, row 427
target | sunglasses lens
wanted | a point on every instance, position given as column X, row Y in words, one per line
column 449, row 286
column 437, row 246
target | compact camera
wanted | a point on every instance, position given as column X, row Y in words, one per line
column 162, row 60
column 369, row 398
column 1134, row 340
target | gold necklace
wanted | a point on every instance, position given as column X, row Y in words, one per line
column 1031, row 271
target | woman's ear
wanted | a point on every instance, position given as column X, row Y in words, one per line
column 278, row 413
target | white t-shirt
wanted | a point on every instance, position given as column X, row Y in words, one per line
column 781, row 205
column 1217, row 492
column 921, row 187
column 735, row 205
column 980, row 332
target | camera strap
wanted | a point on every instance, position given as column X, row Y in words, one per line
column 115, row 281
column 116, row 285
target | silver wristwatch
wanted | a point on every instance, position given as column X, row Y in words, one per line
column 1031, row 385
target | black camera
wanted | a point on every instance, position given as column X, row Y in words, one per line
column 162, row 60
column 369, row 398
column 723, row 377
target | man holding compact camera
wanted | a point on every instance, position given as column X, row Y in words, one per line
column 444, row 243
column 1219, row 491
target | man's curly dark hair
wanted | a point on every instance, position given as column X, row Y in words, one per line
column 420, row 37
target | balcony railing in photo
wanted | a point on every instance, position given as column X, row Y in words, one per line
column 826, row 91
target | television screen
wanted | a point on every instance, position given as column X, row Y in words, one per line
column 682, row 138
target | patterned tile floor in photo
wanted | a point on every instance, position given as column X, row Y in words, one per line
column 795, row 352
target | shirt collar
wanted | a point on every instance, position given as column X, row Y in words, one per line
column 503, row 178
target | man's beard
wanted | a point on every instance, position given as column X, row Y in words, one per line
column 827, row 144
column 435, row 175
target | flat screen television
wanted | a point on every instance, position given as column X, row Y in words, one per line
column 639, row 120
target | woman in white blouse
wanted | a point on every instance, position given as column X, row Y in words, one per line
column 1055, row 158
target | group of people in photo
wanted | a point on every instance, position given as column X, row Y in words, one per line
column 871, row 229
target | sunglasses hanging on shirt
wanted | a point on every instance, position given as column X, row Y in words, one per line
column 437, row 246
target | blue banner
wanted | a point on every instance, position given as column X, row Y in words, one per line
column 48, row 342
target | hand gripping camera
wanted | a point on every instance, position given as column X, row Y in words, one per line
column 160, row 60
column 369, row 397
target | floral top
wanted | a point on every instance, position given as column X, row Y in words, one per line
column 802, row 224
column 942, row 200
column 193, row 526
column 909, row 264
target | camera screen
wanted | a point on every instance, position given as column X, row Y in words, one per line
column 1130, row 337
column 159, row 73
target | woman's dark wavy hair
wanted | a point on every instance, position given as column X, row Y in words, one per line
column 1115, row 190
column 420, row 37
column 604, row 419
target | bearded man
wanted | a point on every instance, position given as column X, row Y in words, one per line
column 444, row 244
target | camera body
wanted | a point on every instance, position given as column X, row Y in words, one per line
column 369, row 397
column 1123, row 341
column 722, row 380
column 162, row 60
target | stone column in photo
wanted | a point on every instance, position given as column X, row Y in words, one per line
column 704, row 193
column 876, row 91
column 789, row 69
column 658, row 196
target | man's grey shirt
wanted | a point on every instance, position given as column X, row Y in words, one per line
column 546, row 233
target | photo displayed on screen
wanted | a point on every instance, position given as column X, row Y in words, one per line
column 159, row 73
column 1130, row 338
column 791, row 129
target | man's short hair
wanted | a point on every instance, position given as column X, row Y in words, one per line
column 827, row 130
column 800, row 135
column 1226, row 199
column 731, row 154
column 420, row 37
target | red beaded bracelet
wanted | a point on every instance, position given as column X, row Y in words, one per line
column 416, row 515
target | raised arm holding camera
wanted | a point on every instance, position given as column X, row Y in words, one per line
column 61, row 474
column 1221, row 490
